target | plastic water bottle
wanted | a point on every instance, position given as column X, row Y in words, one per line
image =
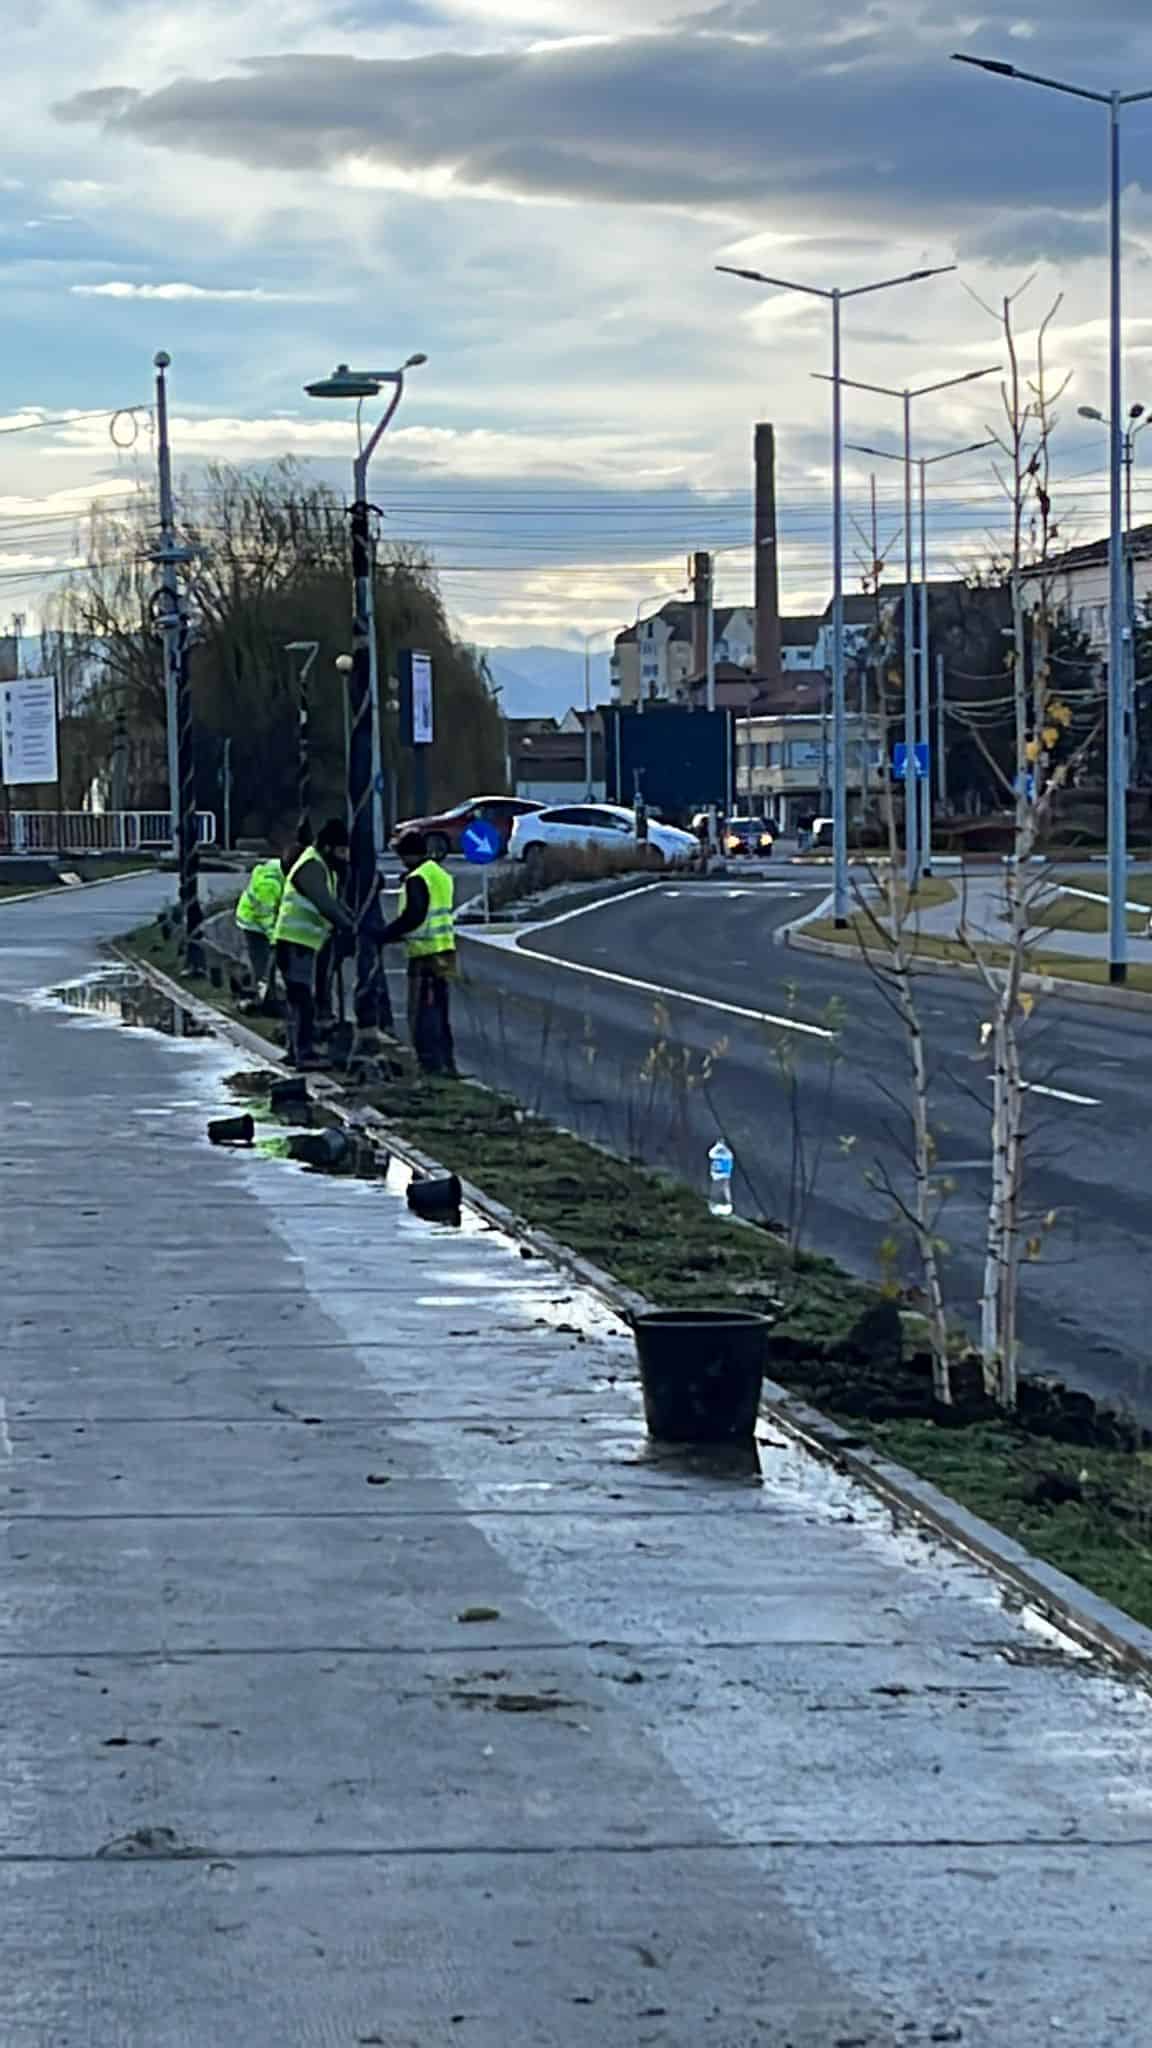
column 720, row 1164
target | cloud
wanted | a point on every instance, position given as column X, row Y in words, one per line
column 1043, row 235
column 720, row 123
column 804, row 111
column 118, row 288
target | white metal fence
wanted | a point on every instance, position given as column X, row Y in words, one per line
column 94, row 831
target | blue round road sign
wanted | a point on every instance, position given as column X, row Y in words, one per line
column 481, row 843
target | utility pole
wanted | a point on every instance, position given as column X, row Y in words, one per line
column 924, row 784
column 173, row 627
column 226, row 786
column 941, row 757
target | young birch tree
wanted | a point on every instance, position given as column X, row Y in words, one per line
column 1043, row 759
column 886, row 929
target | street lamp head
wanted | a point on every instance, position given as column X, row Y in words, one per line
column 986, row 64
column 1137, row 412
column 344, row 383
column 1091, row 412
column 415, row 362
column 345, row 664
column 162, row 359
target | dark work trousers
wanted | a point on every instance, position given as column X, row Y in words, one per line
column 297, row 966
column 373, row 1004
column 258, row 947
column 324, row 969
column 429, row 1016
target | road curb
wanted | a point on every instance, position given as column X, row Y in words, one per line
column 1092, row 1622
column 794, row 936
column 73, row 889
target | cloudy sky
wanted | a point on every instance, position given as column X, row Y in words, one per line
column 536, row 193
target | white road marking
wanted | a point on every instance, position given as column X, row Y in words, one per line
column 680, row 995
column 1061, row 1094
column 5, row 1433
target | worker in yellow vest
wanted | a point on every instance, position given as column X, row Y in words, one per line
column 309, row 912
column 256, row 915
column 427, row 925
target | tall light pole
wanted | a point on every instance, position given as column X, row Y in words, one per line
column 172, row 624
column 835, row 298
column 923, row 784
column 911, row 803
column 1118, row 633
column 309, row 649
column 597, row 633
column 365, row 753
column 1138, row 418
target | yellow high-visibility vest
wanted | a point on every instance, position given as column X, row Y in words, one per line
column 258, row 906
column 437, row 934
column 298, row 921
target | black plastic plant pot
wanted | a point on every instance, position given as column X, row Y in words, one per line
column 437, row 1196
column 318, row 1148
column 701, row 1371
column 232, row 1130
column 285, row 1094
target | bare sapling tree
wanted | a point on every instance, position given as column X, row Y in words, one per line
column 1044, row 755
column 887, row 928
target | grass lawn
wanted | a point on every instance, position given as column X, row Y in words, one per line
column 1078, row 914
column 927, row 946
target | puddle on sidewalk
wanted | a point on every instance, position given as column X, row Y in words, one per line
column 121, row 996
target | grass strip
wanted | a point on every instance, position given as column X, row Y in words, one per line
column 1084, row 1506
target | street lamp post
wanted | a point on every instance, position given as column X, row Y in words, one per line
column 172, row 624
column 1138, row 418
column 923, row 785
column 365, row 752
column 1118, row 632
column 589, row 779
column 309, row 649
column 911, row 803
column 835, row 298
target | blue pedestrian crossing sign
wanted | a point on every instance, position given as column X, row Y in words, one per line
column 480, row 842
column 919, row 761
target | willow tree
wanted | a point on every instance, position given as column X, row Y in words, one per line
column 268, row 564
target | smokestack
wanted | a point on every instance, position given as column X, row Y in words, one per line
column 701, row 611
column 767, row 565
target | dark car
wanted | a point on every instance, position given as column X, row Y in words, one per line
column 750, row 836
column 443, row 831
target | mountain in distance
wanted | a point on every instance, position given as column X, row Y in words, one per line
column 545, row 682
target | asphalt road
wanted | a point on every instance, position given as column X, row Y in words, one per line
column 568, row 1017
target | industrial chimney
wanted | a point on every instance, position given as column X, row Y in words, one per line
column 767, row 564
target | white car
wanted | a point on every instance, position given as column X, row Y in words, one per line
column 599, row 826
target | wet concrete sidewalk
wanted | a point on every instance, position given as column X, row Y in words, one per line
column 366, row 1680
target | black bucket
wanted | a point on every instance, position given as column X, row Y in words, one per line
column 701, row 1371
column 232, row 1130
column 324, row 1149
column 437, row 1197
column 285, row 1094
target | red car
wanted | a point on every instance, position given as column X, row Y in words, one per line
column 443, row 831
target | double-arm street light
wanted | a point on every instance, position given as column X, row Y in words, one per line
column 906, row 396
column 1138, row 418
column 365, row 752
column 923, row 463
column 835, row 298
column 1118, row 628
